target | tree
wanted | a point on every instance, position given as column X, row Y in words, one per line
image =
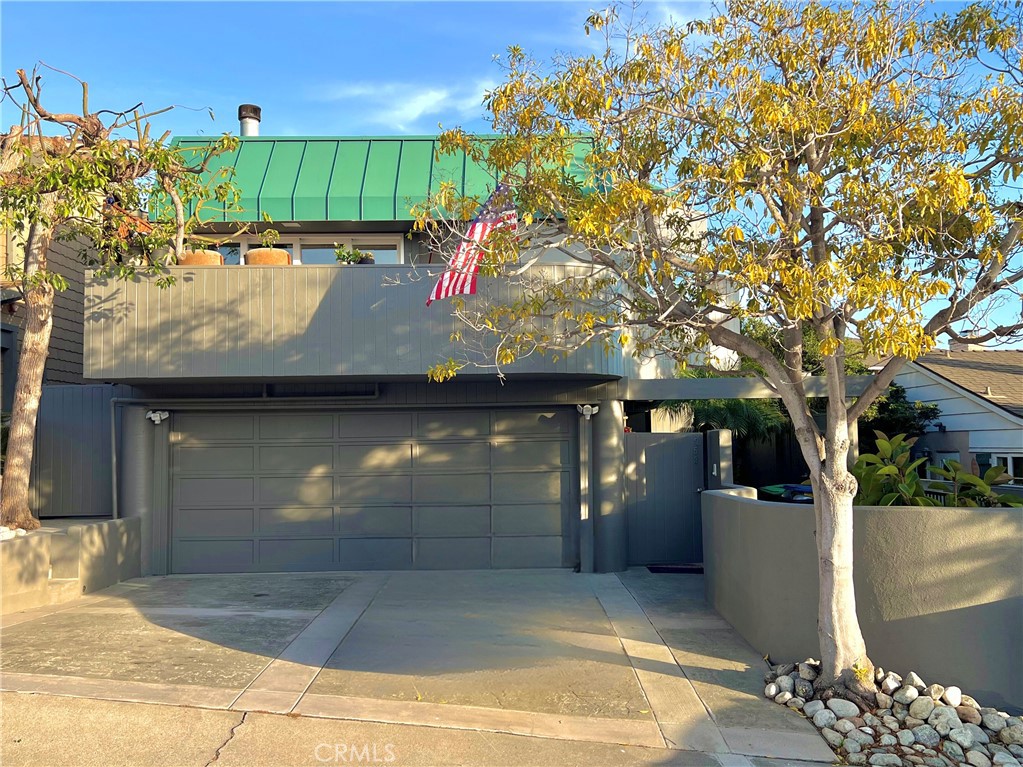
column 841, row 168
column 84, row 177
column 893, row 413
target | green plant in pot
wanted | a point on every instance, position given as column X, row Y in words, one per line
column 889, row 477
column 346, row 254
column 268, row 255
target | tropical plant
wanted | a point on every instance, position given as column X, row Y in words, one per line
column 970, row 490
column 756, row 420
column 893, row 413
column 94, row 177
column 850, row 168
column 269, row 236
column 345, row 254
column 889, row 477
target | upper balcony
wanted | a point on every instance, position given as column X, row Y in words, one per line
column 279, row 322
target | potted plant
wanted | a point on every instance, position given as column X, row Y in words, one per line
column 268, row 255
column 350, row 255
column 199, row 256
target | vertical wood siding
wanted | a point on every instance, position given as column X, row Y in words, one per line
column 267, row 322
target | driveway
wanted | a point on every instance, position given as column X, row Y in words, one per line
column 636, row 660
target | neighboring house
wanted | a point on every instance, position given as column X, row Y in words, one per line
column 64, row 363
column 280, row 417
column 980, row 393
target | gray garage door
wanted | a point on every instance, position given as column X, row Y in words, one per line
column 358, row 491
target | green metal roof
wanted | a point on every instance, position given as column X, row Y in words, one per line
column 318, row 178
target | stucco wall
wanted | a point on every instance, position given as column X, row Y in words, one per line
column 939, row 591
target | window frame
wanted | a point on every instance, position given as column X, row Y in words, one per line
column 297, row 241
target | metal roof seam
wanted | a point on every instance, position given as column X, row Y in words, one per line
column 397, row 177
column 298, row 174
column 362, row 186
column 262, row 183
column 330, row 182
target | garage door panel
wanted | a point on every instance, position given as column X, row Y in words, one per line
column 524, row 454
column 532, row 422
column 531, row 486
column 527, row 552
column 452, row 553
column 310, row 459
column 376, row 521
column 296, row 520
column 208, row 460
column 382, row 554
column 528, row 519
column 454, row 455
column 452, row 488
column 293, row 555
column 226, row 556
column 206, row 523
column 214, row 491
column 434, row 489
column 294, row 427
column 207, row 427
column 296, row 490
column 377, row 425
column 355, row 490
column 452, row 520
column 472, row 423
column 363, row 458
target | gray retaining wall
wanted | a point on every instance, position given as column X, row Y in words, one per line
column 938, row 590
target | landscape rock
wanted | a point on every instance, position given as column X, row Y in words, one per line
column 872, row 721
column 843, row 708
column 796, row 703
column 785, row 684
column 994, row 722
column 1012, row 734
column 926, row 735
column 824, row 718
column 906, row 695
column 1016, row 750
column 922, row 707
column 885, row 760
column 844, row 725
column 770, row 676
column 934, row 691
column 906, row 737
column 912, row 721
column 968, row 714
column 832, row 737
column 784, row 669
column 1013, row 721
column 979, row 735
column 807, row 672
column 811, row 707
column 888, row 740
column 861, row 737
column 851, row 746
column 913, row 680
column 803, row 689
column 783, row 697
column 977, row 759
column 963, row 737
column 1004, row 758
column 771, row 690
column 890, row 684
column 856, row 758
column 944, row 719
column 884, row 701
column 969, row 700
column 953, row 696
column 952, row 750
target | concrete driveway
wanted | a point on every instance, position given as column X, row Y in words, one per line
column 637, row 661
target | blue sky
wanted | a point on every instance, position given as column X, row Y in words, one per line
column 314, row 67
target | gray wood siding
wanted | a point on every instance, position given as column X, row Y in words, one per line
column 64, row 363
column 276, row 322
column 71, row 466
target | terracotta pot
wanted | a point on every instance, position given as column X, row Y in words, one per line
column 200, row 258
column 267, row 257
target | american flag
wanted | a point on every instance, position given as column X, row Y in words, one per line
column 460, row 277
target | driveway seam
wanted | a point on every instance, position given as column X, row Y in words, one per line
column 385, row 580
column 665, row 643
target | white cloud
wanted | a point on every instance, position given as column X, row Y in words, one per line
column 407, row 107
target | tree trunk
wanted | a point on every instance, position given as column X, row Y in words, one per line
column 844, row 661
column 14, row 508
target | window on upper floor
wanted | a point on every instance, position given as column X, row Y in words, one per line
column 1012, row 463
column 318, row 249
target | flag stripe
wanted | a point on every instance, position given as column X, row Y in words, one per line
column 460, row 276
